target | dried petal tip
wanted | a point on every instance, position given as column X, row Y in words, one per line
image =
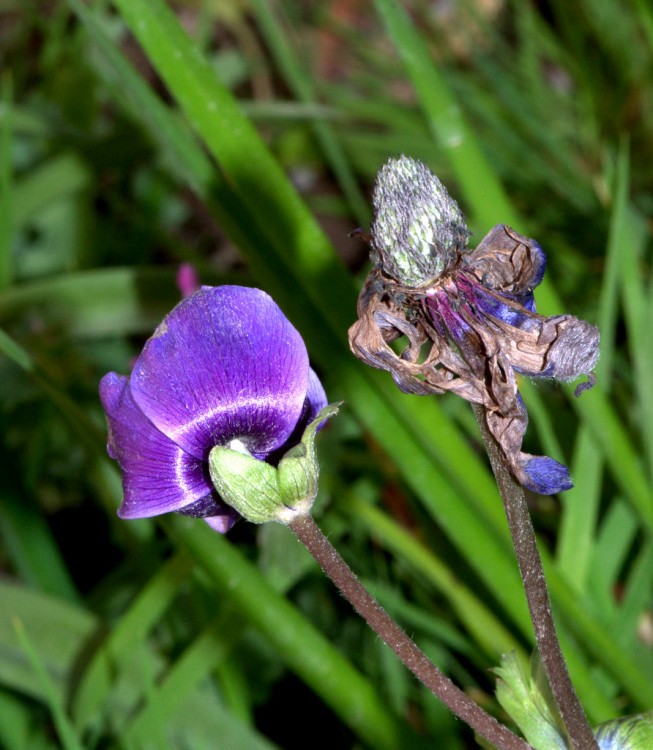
column 418, row 227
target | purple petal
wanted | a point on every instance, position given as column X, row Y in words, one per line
column 225, row 363
column 223, row 523
column 508, row 308
column 158, row 476
column 316, row 398
column 546, row 476
column 218, row 515
column 315, row 401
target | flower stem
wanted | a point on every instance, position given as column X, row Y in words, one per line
column 309, row 533
column 579, row 732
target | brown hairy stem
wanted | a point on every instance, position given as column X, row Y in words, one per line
column 579, row 732
column 308, row 532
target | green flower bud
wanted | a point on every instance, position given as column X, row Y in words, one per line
column 628, row 733
column 418, row 228
column 260, row 492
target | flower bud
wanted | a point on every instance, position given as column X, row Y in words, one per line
column 260, row 492
column 628, row 733
column 418, row 228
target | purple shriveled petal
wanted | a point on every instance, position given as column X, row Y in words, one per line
column 545, row 476
column 158, row 476
column 507, row 309
column 224, row 364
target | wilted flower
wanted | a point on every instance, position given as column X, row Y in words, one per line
column 468, row 315
column 224, row 368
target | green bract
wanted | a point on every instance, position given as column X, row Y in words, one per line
column 525, row 698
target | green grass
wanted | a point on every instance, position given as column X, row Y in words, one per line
column 131, row 142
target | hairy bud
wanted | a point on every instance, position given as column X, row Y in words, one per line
column 418, row 227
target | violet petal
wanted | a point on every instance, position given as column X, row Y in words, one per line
column 223, row 523
column 158, row 476
column 545, row 476
column 225, row 363
column 316, row 398
column 210, row 507
column 509, row 310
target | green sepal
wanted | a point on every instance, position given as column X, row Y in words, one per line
column 245, row 483
column 260, row 492
column 527, row 699
column 298, row 471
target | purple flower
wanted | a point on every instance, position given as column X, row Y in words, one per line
column 225, row 367
column 468, row 315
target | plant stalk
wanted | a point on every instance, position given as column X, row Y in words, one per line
column 580, row 735
column 309, row 533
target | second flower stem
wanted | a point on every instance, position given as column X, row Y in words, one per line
column 578, row 729
column 308, row 532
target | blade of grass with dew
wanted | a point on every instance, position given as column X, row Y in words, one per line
column 318, row 663
column 49, row 692
column 270, row 19
column 110, row 657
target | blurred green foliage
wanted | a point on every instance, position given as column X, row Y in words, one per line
column 243, row 137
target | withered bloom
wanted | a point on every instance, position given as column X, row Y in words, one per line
column 468, row 315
